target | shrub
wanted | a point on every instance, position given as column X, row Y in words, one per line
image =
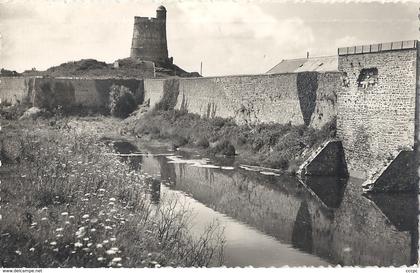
column 224, row 147
column 202, row 142
column 121, row 101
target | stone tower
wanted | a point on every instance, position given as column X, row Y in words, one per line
column 149, row 38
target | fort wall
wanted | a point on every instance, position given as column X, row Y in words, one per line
column 295, row 98
column 376, row 107
column 67, row 92
column 16, row 89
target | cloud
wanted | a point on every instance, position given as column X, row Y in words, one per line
column 235, row 38
column 229, row 38
column 348, row 41
column 56, row 32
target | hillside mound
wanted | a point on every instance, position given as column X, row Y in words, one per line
column 122, row 68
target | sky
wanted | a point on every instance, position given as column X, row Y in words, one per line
column 229, row 37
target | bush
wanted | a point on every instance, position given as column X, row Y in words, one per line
column 121, row 101
column 202, row 142
column 225, row 148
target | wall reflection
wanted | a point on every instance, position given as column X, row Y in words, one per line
column 327, row 217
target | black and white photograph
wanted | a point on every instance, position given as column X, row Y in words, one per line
column 148, row 135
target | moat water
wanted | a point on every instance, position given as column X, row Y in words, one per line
column 276, row 220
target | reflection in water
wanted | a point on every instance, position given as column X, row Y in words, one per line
column 274, row 221
column 302, row 230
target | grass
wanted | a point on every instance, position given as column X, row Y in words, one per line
column 272, row 145
column 64, row 204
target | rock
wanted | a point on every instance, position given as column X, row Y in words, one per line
column 32, row 113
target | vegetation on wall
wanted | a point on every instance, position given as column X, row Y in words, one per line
column 121, row 101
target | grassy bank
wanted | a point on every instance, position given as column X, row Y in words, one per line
column 66, row 202
column 270, row 145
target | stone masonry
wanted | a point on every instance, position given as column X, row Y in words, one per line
column 376, row 108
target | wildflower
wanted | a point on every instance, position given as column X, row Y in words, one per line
column 86, row 249
column 105, row 241
column 32, row 249
column 44, row 219
column 18, row 252
column 67, row 223
column 34, row 224
column 86, row 239
column 111, row 203
column 116, row 259
column 157, row 265
column 112, row 199
column 73, row 252
column 59, row 235
column 59, row 229
column 92, row 229
column 53, row 243
column 101, row 259
column 108, row 227
column 110, row 252
column 55, row 249
column 99, row 246
column 78, row 244
column 64, row 213
column 113, row 239
column 71, row 217
column 119, row 264
column 85, row 216
column 94, row 220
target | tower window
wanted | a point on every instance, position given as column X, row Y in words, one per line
column 368, row 77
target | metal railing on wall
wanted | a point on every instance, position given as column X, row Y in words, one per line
column 399, row 45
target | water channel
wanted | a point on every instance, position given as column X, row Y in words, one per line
column 276, row 220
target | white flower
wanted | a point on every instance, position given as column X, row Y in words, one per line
column 99, row 246
column 53, row 243
column 65, row 213
column 85, row 216
column 78, row 244
column 116, row 259
column 113, row 239
column 32, row 249
column 59, row 229
column 18, row 252
column 101, row 259
column 110, row 252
